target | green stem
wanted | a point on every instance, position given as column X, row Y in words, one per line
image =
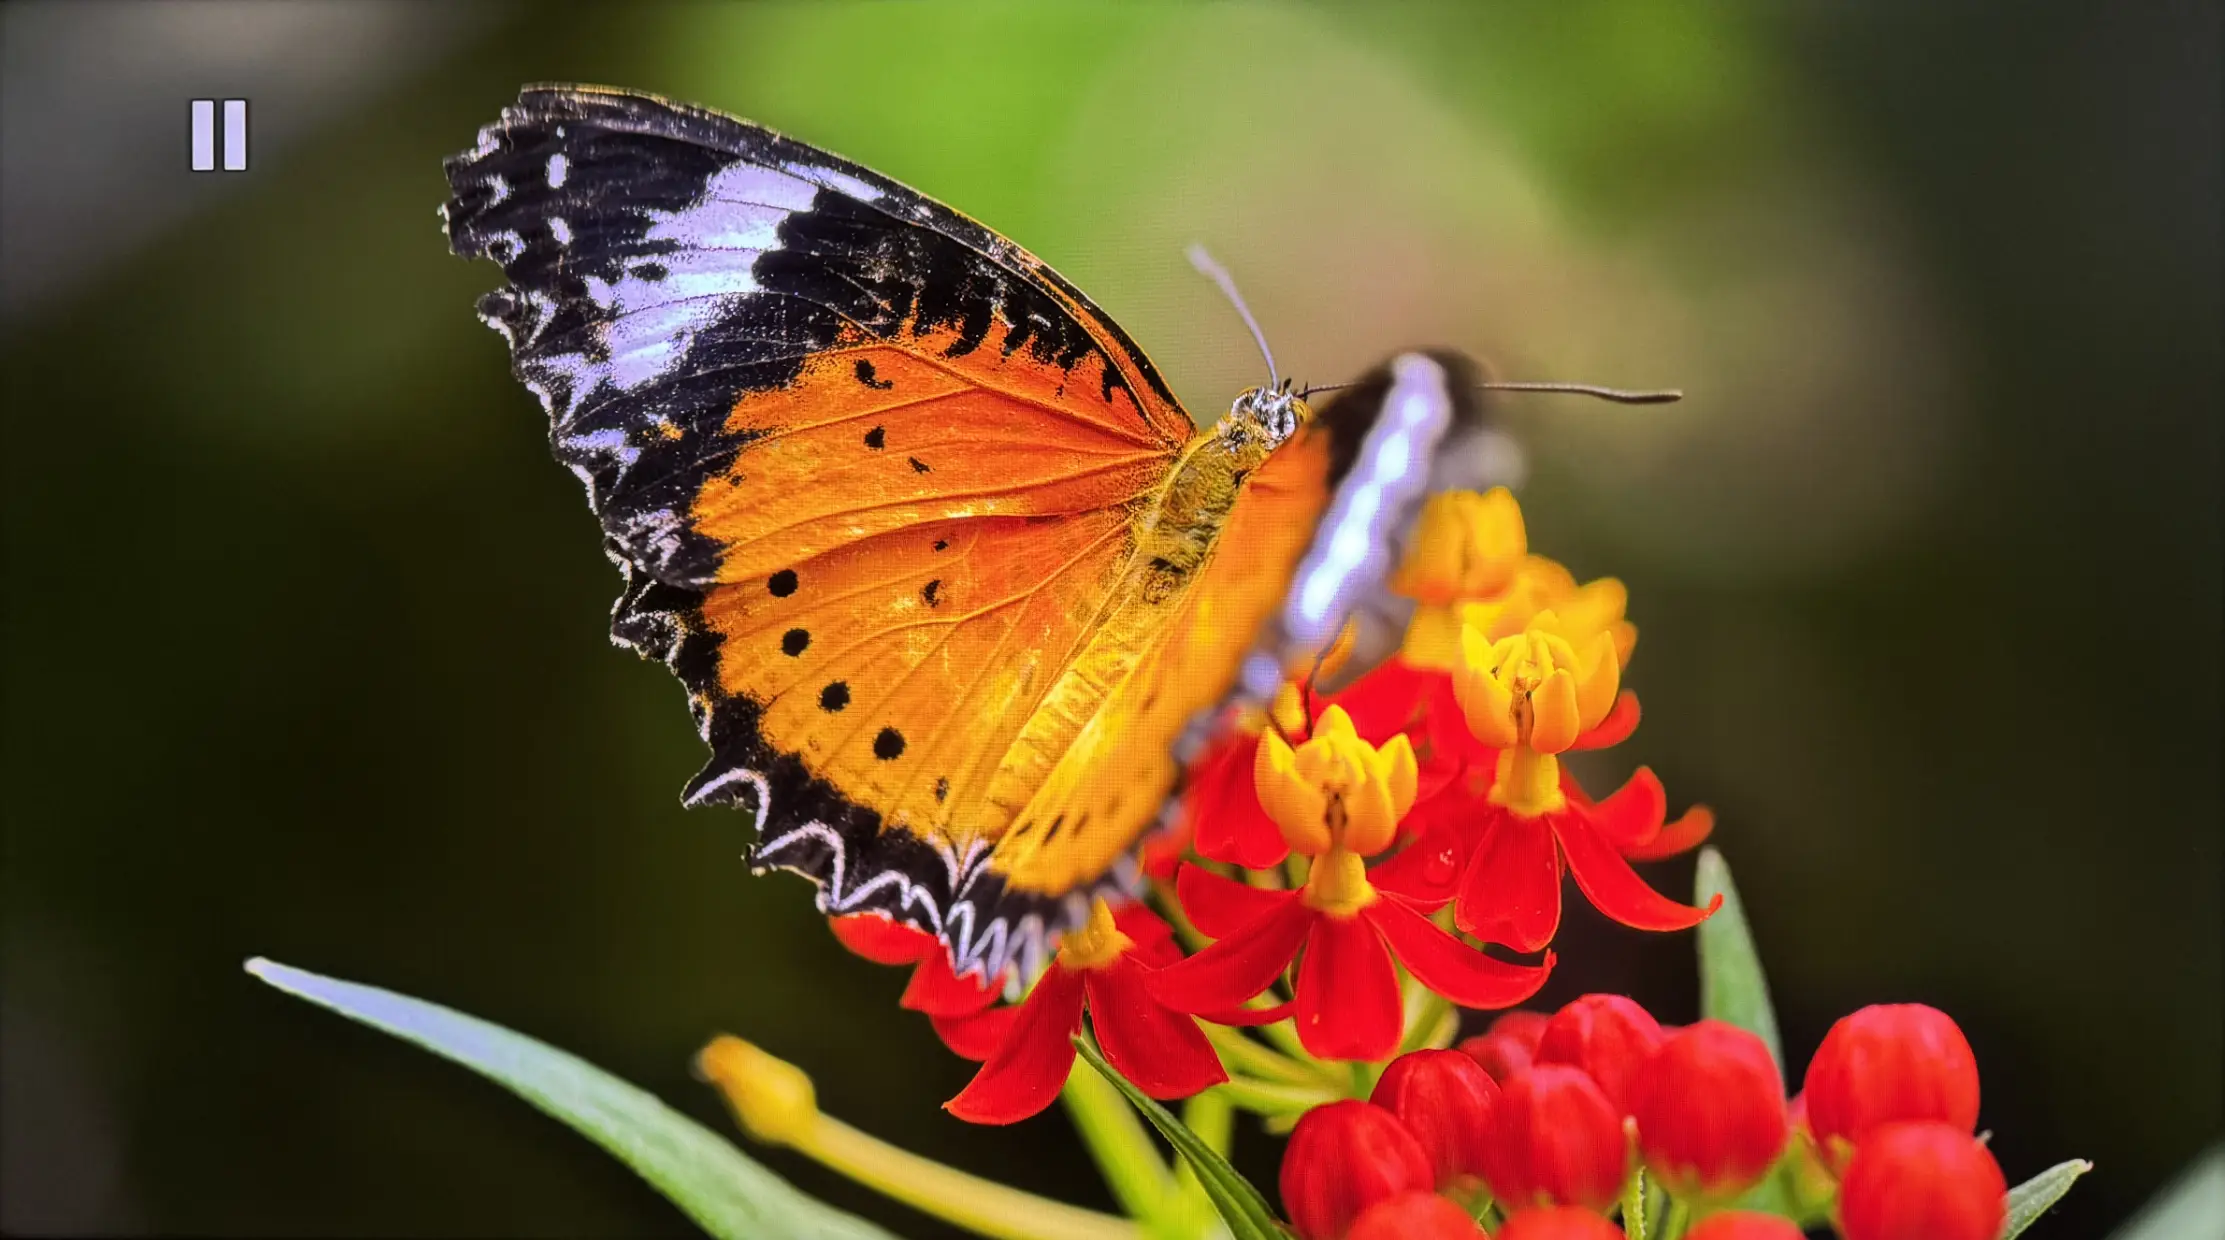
column 1241, row 1054
column 1680, row 1217
column 1634, row 1206
column 1125, row 1155
column 980, row 1206
column 1269, row 1098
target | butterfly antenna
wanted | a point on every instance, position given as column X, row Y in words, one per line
column 1219, row 275
column 1621, row 396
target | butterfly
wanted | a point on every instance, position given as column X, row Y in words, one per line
column 946, row 570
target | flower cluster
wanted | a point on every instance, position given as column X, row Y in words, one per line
column 1337, row 852
column 1354, row 862
column 1555, row 1123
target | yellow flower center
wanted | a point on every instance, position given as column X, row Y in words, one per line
column 1534, row 689
column 1465, row 546
column 1337, row 884
column 1097, row 943
column 1335, row 790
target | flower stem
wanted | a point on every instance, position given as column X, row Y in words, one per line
column 1679, row 1217
column 774, row 1101
column 1242, row 1054
column 1269, row 1098
column 1125, row 1156
column 1634, row 1206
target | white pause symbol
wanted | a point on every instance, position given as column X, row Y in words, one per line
column 235, row 135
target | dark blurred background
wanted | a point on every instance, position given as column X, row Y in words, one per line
column 305, row 633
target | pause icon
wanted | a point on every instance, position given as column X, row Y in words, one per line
column 235, row 135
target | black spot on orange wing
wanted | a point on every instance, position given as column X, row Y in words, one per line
column 931, row 590
column 868, row 378
column 942, row 789
column 782, row 584
column 889, row 745
column 942, row 544
column 918, row 466
column 794, row 642
column 877, row 438
column 834, row 697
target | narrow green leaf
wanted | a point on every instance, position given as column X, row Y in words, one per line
column 2029, row 1200
column 1246, row 1212
column 728, row 1195
column 1732, row 987
column 2190, row 1207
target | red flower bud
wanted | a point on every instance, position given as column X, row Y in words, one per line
column 1886, row 1063
column 1607, row 1036
column 1558, row 1223
column 1445, row 1100
column 1555, row 1138
column 1921, row 1180
column 1744, row 1225
column 1710, row 1110
column 1509, row 1045
column 1342, row 1158
column 1415, row 1216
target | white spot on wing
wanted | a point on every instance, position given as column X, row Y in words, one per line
column 832, row 179
column 558, row 167
column 560, row 230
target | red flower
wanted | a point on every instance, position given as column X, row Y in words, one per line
column 1509, row 1046
column 1220, row 805
column 1444, row 1098
column 1710, row 1110
column 1608, row 1036
column 959, row 1008
column 1558, row 1223
column 1744, row 1225
column 1888, row 1062
column 1921, row 1180
column 1415, row 1216
column 1344, row 1157
column 1102, row 968
column 1351, row 932
column 1510, row 890
column 1555, row 1138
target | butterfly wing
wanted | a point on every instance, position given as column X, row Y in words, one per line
column 873, row 475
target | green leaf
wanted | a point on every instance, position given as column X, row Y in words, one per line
column 1246, row 1212
column 728, row 1195
column 2190, row 1207
column 1732, row 987
column 2029, row 1200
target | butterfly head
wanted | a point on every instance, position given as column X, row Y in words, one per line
column 1266, row 416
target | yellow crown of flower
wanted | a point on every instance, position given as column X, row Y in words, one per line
column 1097, row 943
column 1465, row 546
column 1335, row 790
column 1535, row 689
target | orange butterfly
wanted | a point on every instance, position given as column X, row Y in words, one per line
column 945, row 568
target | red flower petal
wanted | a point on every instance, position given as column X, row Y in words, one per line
column 1512, row 891
column 1685, row 833
column 937, row 991
column 977, row 1036
column 1229, row 824
column 1030, row 1066
column 1349, row 1006
column 1427, row 871
column 1621, row 721
column 1239, row 966
column 1448, row 966
column 882, row 939
column 1220, row 906
column 1614, row 888
column 1154, row 938
column 1632, row 815
column 1161, row 1050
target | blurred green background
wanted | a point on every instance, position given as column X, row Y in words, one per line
column 305, row 632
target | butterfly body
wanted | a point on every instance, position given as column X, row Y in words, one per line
column 945, row 568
